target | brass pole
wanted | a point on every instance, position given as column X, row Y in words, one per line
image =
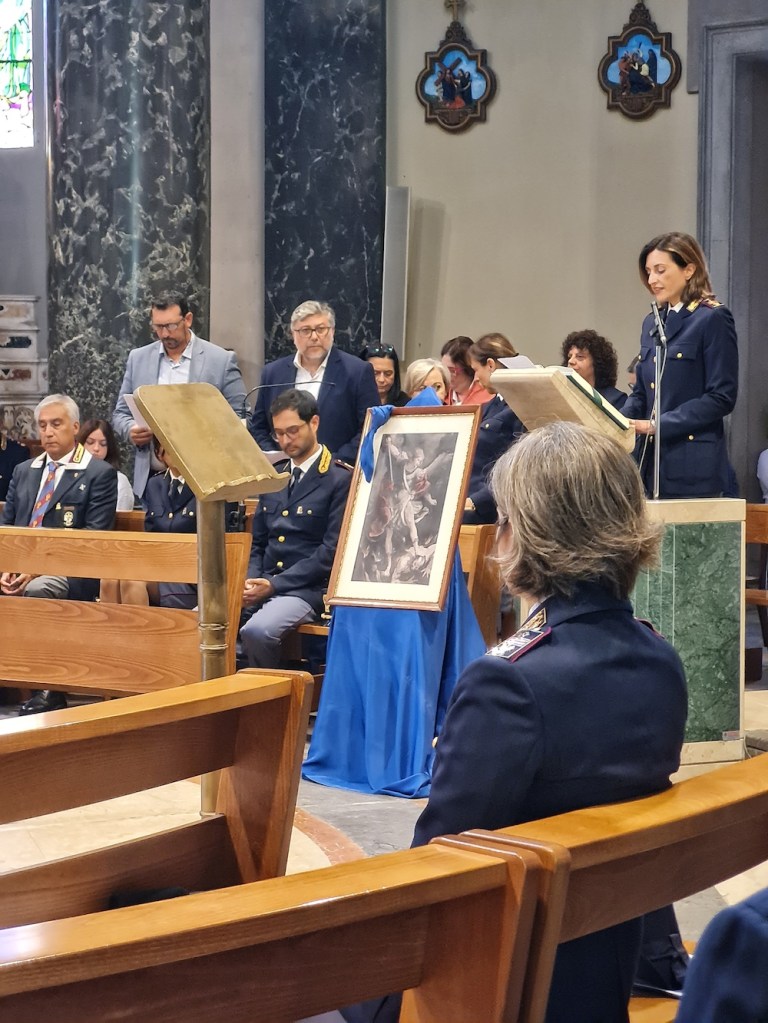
column 212, row 612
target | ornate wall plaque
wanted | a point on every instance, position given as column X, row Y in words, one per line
column 640, row 69
column 456, row 84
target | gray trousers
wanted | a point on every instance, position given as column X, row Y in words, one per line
column 262, row 633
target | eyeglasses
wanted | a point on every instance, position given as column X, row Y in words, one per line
column 307, row 332
column 380, row 352
column 291, row 432
column 168, row 327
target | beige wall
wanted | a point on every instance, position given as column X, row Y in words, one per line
column 531, row 223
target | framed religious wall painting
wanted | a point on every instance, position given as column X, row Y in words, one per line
column 400, row 529
column 456, row 85
column 640, row 69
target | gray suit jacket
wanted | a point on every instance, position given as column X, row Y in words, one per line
column 210, row 365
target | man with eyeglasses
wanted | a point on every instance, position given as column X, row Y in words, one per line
column 343, row 385
column 295, row 532
column 176, row 356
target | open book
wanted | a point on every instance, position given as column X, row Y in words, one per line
column 541, row 395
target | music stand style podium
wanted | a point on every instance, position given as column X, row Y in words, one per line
column 696, row 596
column 221, row 462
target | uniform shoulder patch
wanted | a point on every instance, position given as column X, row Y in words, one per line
column 343, row 465
column 522, row 641
column 711, row 303
column 649, row 625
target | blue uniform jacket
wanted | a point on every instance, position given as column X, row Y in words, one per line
column 11, row 455
column 348, row 390
column 85, row 498
column 699, row 388
column 727, row 981
column 499, row 428
column 616, row 397
column 295, row 537
column 592, row 712
column 168, row 509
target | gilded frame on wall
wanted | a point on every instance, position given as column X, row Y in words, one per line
column 400, row 530
column 641, row 68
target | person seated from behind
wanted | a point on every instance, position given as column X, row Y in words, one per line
column 386, row 369
column 466, row 389
column 425, row 373
column 573, row 535
column 594, row 359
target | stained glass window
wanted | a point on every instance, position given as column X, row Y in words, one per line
column 16, row 74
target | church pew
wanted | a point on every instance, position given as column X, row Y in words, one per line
column 250, row 726
column 112, row 649
column 607, row 864
column 452, row 926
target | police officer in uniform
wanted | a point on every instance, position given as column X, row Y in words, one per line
column 700, row 373
column 584, row 705
column 295, row 532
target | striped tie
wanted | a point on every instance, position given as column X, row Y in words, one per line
column 44, row 497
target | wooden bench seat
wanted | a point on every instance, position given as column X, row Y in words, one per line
column 108, row 648
column 249, row 726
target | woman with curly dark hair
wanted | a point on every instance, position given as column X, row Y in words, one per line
column 594, row 358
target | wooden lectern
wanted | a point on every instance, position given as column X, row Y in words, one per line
column 221, row 462
column 548, row 395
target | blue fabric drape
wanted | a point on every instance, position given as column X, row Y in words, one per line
column 389, row 676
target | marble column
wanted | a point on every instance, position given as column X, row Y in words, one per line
column 324, row 189
column 129, row 181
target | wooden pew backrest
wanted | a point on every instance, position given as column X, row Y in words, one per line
column 626, row 859
column 251, row 726
column 112, row 648
column 451, row 925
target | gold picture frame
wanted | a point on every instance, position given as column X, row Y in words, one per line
column 400, row 529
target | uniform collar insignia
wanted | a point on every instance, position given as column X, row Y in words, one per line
column 78, row 455
column 536, row 620
column 325, row 460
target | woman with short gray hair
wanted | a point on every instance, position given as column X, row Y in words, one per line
column 584, row 704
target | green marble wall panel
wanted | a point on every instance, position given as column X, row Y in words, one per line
column 693, row 599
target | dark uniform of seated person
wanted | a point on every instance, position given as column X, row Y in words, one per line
column 584, row 704
column 64, row 488
column 295, row 532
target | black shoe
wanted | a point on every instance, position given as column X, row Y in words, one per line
column 661, row 969
column 46, row 699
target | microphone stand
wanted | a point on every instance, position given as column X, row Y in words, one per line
column 661, row 350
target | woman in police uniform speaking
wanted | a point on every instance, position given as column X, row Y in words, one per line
column 699, row 374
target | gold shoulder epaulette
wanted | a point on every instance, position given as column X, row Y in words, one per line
column 77, row 457
column 343, row 465
column 711, row 302
column 325, row 460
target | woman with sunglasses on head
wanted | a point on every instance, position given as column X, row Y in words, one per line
column 386, row 369
column 466, row 389
column 699, row 372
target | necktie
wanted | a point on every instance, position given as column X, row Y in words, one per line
column 295, row 477
column 45, row 497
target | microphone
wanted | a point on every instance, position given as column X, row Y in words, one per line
column 244, row 411
column 658, row 330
